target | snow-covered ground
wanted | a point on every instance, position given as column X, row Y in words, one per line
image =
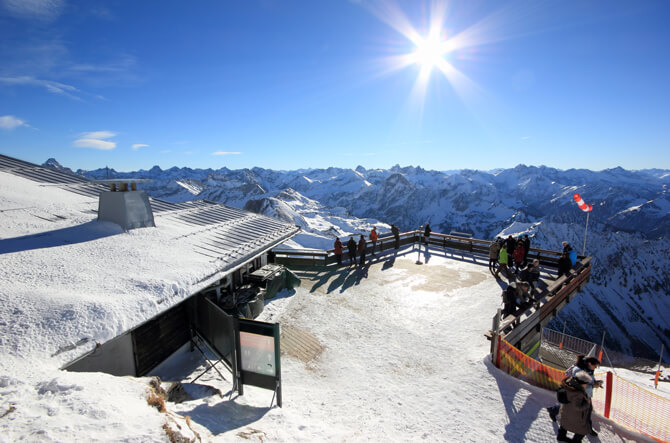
column 404, row 359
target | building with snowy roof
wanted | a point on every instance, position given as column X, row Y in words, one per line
column 72, row 259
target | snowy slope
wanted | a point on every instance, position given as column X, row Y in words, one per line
column 319, row 224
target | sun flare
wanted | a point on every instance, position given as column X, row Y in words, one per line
column 429, row 53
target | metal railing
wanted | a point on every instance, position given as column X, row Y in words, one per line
column 315, row 257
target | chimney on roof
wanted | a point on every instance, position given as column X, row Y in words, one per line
column 128, row 208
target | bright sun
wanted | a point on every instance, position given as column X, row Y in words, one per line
column 429, row 53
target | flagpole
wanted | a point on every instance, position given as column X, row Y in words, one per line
column 585, row 231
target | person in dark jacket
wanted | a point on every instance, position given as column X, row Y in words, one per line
column 396, row 236
column 426, row 233
column 531, row 274
column 361, row 250
column 351, row 247
column 564, row 265
column 526, row 248
column 510, row 244
column 574, row 415
column 338, row 250
column 516, row 295
column 589, row 365
column 518, row 255
column 572, row 254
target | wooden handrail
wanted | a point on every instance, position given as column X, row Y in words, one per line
column 473, row 245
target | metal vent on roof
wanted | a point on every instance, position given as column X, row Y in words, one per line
column 125, row 206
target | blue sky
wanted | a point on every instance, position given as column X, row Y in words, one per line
column 287, row 84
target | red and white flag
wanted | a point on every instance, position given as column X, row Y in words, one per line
column 583, row 206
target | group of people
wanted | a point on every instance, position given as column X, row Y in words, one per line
column 573, row 413
column 509, row 257
column 508, row 254
column 358, row 250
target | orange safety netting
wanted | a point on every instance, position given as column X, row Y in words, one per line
column 619, row 400
column 634, row 407
column 521, row 366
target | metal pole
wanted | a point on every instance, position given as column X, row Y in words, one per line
column 658, row 371
column 602, row 345
column 585, row 230
column 560, row 346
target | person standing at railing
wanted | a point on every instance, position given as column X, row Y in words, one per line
column 518, row 256
column 351, row 247
column 574, row 415
column 338, row 251
column 564, row 265
column 526, row 248
column 510, row 244
column 396, row 236
column 494, row 249
column 426, row 233
column 373, row 238
column 572, row 254
column 361, row 250
column 587, row 365
column 503, row 261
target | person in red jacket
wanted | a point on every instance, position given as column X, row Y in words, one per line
column 373, row 238
column 518, row 255
column 338, row 250
column 361, row 251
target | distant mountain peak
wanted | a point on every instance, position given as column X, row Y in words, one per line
column 53, row 164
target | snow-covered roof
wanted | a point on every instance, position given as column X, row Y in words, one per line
column 65, row 275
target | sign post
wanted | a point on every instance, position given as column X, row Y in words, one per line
column 259, row 355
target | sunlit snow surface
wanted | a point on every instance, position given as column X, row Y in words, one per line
column 404, row 359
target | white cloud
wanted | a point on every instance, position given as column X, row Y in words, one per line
column 94, row 143
column 526, row 137
column 98, row 134
column 139, row 145
column 225, row 153
column 45, row 10
column 96, row 140
column 10, row 122
column 51, row 86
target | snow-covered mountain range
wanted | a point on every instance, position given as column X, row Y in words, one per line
column 628, row 297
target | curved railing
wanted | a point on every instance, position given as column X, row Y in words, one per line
column 621, row 401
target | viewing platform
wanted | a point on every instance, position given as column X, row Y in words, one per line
column 524, row 328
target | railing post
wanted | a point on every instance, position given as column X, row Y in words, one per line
column 494, row 337
column 608, row 394
column 498, row 352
